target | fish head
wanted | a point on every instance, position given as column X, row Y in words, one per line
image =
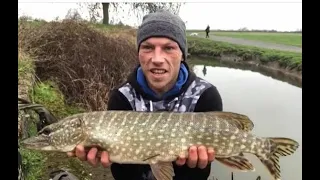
column 62, row 136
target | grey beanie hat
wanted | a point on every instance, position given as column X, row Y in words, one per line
column 163, row 24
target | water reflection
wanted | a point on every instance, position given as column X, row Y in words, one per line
column 204, row 70
column 274, row 106
column 279, row 75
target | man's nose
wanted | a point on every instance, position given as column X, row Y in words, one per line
column 158, row 56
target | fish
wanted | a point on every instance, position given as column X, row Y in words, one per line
column 159, row 138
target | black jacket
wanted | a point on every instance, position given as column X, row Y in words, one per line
column 210, row 100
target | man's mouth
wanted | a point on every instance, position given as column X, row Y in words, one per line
column 158, row 71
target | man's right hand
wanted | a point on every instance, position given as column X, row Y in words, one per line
column 91, row 157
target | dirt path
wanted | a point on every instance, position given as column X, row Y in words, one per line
column 254, row 43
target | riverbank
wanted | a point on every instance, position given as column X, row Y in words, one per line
column 69, row 67
column 287, row 62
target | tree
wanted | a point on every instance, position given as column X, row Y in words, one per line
column 138, row 8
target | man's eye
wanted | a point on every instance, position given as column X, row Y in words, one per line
column 168, row 48
column 146, row 47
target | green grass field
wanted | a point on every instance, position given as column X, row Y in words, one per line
column 293, row 39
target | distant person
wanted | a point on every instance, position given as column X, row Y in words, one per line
column 162, row 81
column 207, row 31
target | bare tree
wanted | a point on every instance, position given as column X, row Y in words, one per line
column 139, row 9
column 74, row 15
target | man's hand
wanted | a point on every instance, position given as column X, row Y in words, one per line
column 91, row 157
column 198, row 156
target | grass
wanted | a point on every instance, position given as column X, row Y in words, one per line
column 201, row 46
column 292, row 39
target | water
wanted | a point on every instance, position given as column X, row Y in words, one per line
column 273, row 105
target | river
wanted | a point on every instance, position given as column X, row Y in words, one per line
column 274, row 105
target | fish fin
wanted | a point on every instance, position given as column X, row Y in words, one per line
column 162, row 170
column 279, row 147
column 241, row 121
column 237, row 162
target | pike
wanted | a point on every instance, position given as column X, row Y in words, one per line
column 158, row 138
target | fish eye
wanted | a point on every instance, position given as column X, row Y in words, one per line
column 45, row 131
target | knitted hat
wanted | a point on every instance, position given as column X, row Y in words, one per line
column 163, row 24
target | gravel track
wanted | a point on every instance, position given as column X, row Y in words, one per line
column 260, row 44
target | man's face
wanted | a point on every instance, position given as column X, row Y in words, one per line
column 160, row 60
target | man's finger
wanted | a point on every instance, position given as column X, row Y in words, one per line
column 105, row 159
column 203, row 157
column 71, row 154
column 181, row 161
column 80, row 153
column 92, row 156
column 211, row 154
column 193, row 157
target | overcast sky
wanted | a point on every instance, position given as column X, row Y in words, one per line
column 284, row 16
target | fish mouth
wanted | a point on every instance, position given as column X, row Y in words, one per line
column 37, row 143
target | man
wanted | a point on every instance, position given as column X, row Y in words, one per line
column 207, row 31
column 162, row 82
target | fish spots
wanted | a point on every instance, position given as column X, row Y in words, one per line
column 243, row 140
column 160, row 137
column 183, row 140
column 128, row 138
column 229, row 151
column 184, row 148
column 232, row 137
column 137, row 151
column 242, row 146
column 158, row 144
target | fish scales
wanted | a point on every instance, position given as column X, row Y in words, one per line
column 158, row 138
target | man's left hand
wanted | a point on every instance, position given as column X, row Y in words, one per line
column 198, row 156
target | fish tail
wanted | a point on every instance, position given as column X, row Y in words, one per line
column 279, row 147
